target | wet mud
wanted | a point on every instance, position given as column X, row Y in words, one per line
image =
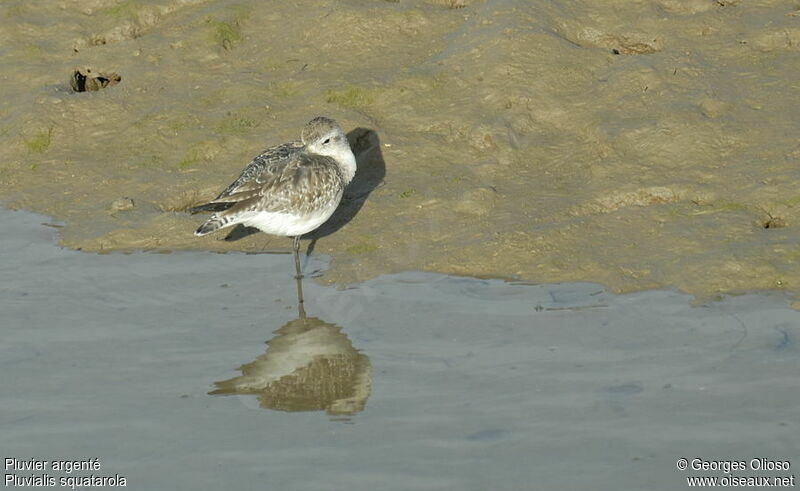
column 635, row 144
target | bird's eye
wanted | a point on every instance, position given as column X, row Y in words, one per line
column 326, row 141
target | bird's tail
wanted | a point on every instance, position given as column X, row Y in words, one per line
column 213, row 224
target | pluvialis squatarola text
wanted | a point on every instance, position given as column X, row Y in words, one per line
column 289, row 189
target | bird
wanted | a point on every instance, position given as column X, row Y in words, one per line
column 288, row 189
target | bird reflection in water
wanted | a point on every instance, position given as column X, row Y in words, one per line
column 309, row 365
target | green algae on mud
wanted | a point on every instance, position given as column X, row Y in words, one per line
column 640, row 145
column 39, row 141
column 349, row 97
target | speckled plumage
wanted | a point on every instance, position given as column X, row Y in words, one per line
column 289, row 189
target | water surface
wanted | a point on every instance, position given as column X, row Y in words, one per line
column 446, row 382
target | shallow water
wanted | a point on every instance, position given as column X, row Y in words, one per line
column 454, row 383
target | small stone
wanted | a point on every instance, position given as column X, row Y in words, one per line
column 87, row 80
column 713, row 108
column 122, row 204
column 775, row 222
column 478, row 202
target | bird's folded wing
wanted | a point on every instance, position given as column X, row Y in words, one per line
column 265, row 167
column 296, row 184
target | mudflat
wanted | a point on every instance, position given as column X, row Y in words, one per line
column 634, row 144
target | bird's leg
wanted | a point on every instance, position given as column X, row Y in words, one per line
column 296, row 246
column 299, row 278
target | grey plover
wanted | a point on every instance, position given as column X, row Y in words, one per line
column 289, row 189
